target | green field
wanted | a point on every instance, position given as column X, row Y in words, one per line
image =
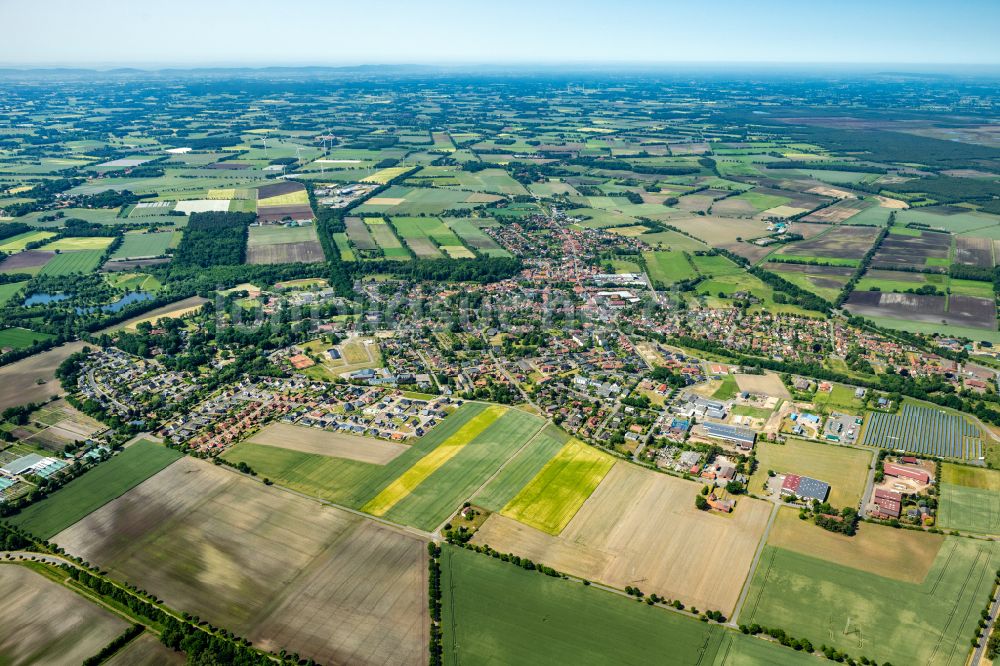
column 862, row 613
column 475, row 237
column 844, row 468
column 95, row 488
column 425, row 227
column 550, row 500
column 435, row 498
column 496, row 613
column 970, row 499
column 67, row 263
column 143, row 245
column 19, row 338
column 714, row 264
column 9, row 290
column 133, row 281
column 669, row 267
column 343, row 246
column 386, row 239
column 339, row 480
column 840, row 398
column 85, row 243
column 737, row 649
column 521, row 469
column 18, row 242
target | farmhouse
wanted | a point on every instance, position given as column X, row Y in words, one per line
column 887, row 504
column 742, row 437
column 906, row 472
column 805, row 487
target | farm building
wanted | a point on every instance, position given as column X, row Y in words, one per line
column 32, row 464
column 805, row 487
column 903, row 471
column 887, row 504
column 742, row 437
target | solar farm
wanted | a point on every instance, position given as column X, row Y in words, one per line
column 924, row 430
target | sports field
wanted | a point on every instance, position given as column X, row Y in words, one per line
column 845, row 469
column 282, row 570
column 700, row 558
column 862, row 613
column 95, row 488
column 136, row 246
column 45, row 623
column 551, row 499
column 970, row 499
column 487, row 603
column 67, row 263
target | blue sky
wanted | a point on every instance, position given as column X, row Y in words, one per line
column 254, row 32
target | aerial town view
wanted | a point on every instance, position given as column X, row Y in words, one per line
column 522, row 334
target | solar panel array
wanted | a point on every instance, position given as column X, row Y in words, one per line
column 924, row 430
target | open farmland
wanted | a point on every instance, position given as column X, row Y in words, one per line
column 72, row 244
column 908, row 248
column 848, row 243
column 45, row 623
column 281, row 570
column 277, row 244
column 970, row 499
column 845, row 469
column 68, row 263
column 386, row 239
column 668, row 267
column 144, row 246
column 33, row 379
column 824, row 281
column 702, row 559
column 29, row 261
column 324, row 443
column 521, row 468
column 490, row 601
column 19, row 242
column 95, row 488
column 866, row 613
column 21, row 338
column 358, row 234
column 475, row 237
column 963, row 312
column 146, row 650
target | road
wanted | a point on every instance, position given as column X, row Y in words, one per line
column 977, row 655
column 867, row 496
column 776, row 506
column 506, row 374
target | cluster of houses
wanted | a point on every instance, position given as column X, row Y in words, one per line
column 374, row 413
column 123, row 383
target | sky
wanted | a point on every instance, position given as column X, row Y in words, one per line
column 334, row 32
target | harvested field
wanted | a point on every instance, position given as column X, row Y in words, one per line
column 269, row 248
column 147, row 650
column 700, row 558
column 45, row 623
column 838, row 242
column 171, row 311
column 324, row 443
column 766, row 384
column 278, row 188
column 358, row 234
column 972, row 251
column 979, row 313
column 19, row 381
column 281, row 570
column 838, row 212
column 905, row 250
column 25, row 262
column 276, row 214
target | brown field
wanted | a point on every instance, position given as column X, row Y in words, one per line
column 641, row 528
column 838, row 212
column 767, row 384
column 974, row 251
column 424, row 248
column 831, row 191
column 282, row 570
column 147, row 650
column 27, row 259
column 905, row 555
column 65, row 425
column 19, row 382
column 171, row 311
column 838, row 242
column 45, row 623
column 357, row 233
column 305, row 252
column 717, row 231
column 324, row 443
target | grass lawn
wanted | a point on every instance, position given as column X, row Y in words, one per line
column 840, row 398
column 970, row 499
column 8, row 290
column 67, row 263
column 496, row 613
column 845, row 469
column 521, row 469
column 728, row 389
column 19, row 338
column 108, row 481
column 861, row 613
column 556, row 493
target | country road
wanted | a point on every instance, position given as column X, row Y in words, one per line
column 776, row 506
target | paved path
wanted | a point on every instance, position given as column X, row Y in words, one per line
column 776, row 506
column 869, row 486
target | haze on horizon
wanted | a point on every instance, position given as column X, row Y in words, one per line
column 312, row 32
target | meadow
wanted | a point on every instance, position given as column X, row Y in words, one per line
column 136, row 246
column 970, row 499
column 845, row 469
column 20, row 338
column 668, row 267
column 68, row 263
column 488, row 602
column 95, row 488
column 86, row 243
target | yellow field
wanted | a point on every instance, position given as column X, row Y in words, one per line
column 69, row 244
column 292, row 198
column 901, row 554
column 221, row 193
column 385, row 175
column 631, row 232
column 18, row 243
column 552, row 498
column 426, row 466
column 971, row 477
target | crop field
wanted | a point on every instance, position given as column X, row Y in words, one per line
column 838, row 212
column 971, row 251
column 29, row 261
column 46, row 623
column 556, row 622
column 425, row 227
column 146, row 650
column 924, row 430
column 9, row 290
column 824, row 281
column 343, row 246
column 845, row 469
column 33, row 379
column 383, row 176
column 521, row 468
column 297, row 197
column 668, row 267
column 702, row 559
column 739, row 650
column 913, row 248
column 94, row 489
column 965, row 312
column 386, row 239
column 340, row 480
column 141, row 246
column 18, row 242
column 19, row 338
column 86, row 243
column 325, row 443
column 276, row 244
column 970, row 499
column 68, row 263
column 551, row 499
column 837, row 243
column 880, row 617
column 358, row 234
column 281, row 570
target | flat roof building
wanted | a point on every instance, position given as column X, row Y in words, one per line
column 805, row 487
column 742, row 437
